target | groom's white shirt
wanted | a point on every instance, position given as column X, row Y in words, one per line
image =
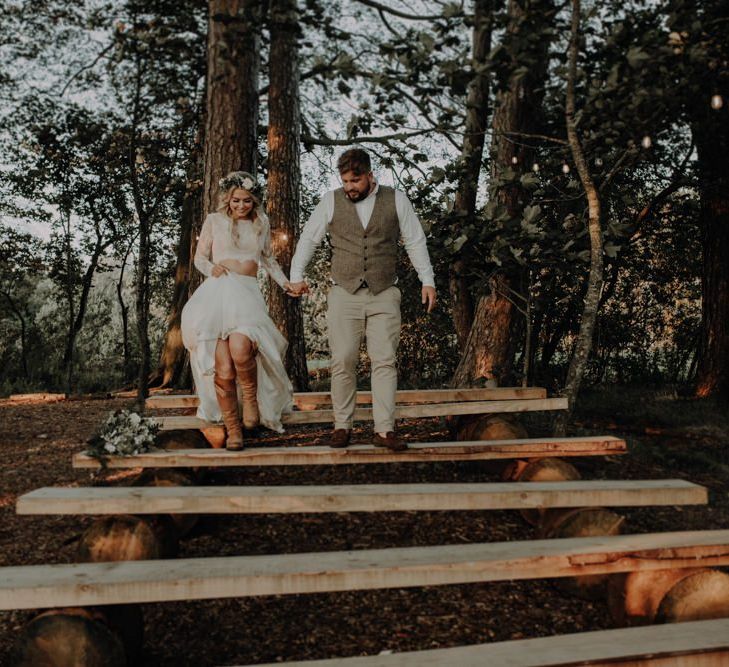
column 411, row 232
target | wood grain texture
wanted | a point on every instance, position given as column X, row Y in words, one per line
column 308, row 400
column 32, row 587
column 358, row 498
column 417, row 452
column 401, row 412
column 696, row 644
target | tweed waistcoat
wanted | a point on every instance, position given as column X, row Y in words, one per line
column 362, row 255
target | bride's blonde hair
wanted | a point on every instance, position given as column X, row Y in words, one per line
column 238, row 180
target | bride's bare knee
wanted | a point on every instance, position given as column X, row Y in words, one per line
column 241, row 350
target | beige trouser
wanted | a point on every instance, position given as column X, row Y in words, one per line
column 349, row 317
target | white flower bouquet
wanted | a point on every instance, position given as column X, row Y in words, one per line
column 124, row 433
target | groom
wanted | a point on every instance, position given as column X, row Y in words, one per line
column 364, row 221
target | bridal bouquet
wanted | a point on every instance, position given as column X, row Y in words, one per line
column 124, row 433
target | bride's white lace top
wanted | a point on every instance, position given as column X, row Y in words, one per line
column 216, row 244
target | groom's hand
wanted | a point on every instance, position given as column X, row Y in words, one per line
column 428, row 297
column 297, row 289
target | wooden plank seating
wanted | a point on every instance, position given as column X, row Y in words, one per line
column 476, row 450
column 401, row 412
column 691, row 644
column 39, row 586
column 309, row 400
column 358, row 498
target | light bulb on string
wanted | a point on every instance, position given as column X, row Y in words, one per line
column 565, row 168
column 535, row 167
column 515, row 160
column 284, row 237
column 598, row 162
column 646, row 142
column 717, row 102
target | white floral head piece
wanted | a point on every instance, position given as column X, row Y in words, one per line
column 240, row 179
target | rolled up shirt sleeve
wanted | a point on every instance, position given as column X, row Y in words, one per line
column 413, row 238
column 311, row 236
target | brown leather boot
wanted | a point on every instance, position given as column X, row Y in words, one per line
column 228, row 402
column 248, row 380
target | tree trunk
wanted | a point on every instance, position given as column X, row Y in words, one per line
column 173, row 369
column 124, row 311
column 284, row 131
column 477, row 111
column 583, row 345
column 142, row 306
column 712, row 142
column 489, row 333
column 516, row 111
column 231, row 125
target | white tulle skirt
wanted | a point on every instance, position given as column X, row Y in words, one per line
column 229, row 304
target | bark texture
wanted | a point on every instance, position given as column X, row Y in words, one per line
column 173, row 369
column 489, row 349
column 477, row 113
column 231, row 127
column 711, row 132
column 583, row 344
column 284, row 133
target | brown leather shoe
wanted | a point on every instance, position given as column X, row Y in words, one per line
column 390, row 441
column 338, row 438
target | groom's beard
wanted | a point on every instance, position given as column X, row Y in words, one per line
column 356, row 195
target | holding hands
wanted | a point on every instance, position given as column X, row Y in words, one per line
column 296, row 289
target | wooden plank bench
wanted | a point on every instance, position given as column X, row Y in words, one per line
column 691, row 644
column 358, row 498
column 39, row 586
column 401, row 412
column 477, row 450
column 308, row 400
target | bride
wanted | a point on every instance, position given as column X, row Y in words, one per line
column 225, row 324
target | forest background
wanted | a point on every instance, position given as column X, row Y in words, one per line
column 567, row 160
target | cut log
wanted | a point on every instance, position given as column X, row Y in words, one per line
column 37, row 586
column 699, row 644
column 357, row 498
column 401, row 412
column 70, row 637
column 543, row 470
column 633, row 597
column 169, row 478
column 184, row 439
column 124, row 537
column 585, row 522
column 698, row 597
column 490, row 427
column 310, row 400
column 417, row 452
column 181, row 439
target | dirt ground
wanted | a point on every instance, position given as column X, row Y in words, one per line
column 38, row 438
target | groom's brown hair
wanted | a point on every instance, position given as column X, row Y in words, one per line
column 355, row 160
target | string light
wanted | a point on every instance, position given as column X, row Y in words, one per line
column 565, row 168
column 535, row 168
column 284, row 237
column 646, row 142
column 515, row 160
column 598, row 162
column 717, row 102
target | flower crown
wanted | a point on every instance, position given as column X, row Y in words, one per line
column 241, row 179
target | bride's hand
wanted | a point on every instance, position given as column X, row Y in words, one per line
column 296, row 289
column 219, row 271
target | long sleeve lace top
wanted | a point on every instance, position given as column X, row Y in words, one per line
column 253, row 243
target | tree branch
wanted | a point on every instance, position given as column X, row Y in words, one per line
column 404, row 15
